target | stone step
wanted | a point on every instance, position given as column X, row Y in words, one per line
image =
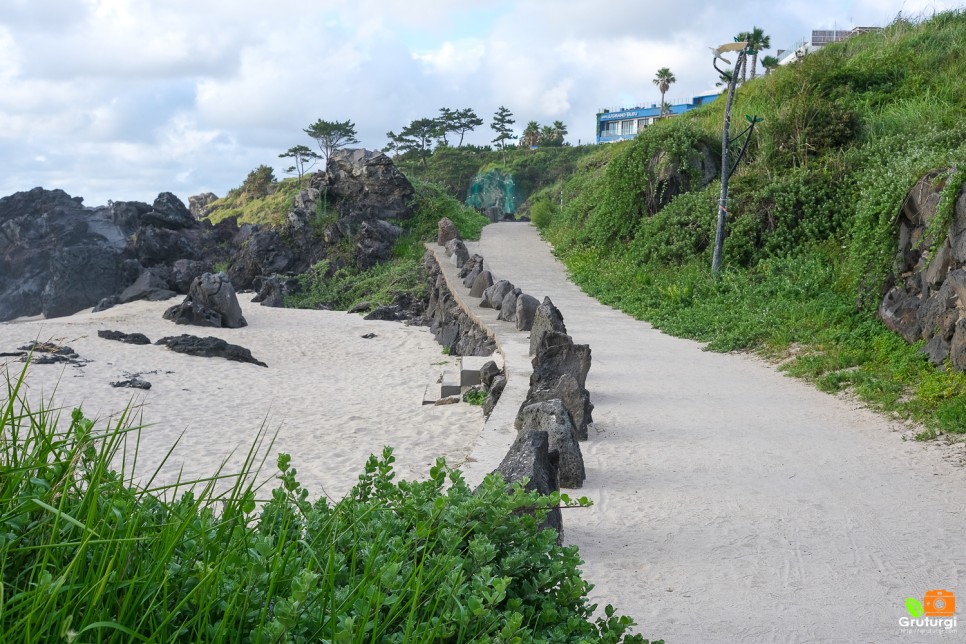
column 430, row 394
column 450, row 385
column 470, row 368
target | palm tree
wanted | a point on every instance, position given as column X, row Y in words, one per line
column 725, row 79
column 744, row 36
column 531, row 135
column 757, row 40
column 664, row 79
column 769, row 63
column 559, row 132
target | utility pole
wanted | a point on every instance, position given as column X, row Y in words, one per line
column 726, row 169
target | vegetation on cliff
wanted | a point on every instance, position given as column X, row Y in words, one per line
column 399, row 278
column 848, row 131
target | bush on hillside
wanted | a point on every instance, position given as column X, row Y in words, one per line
column 811, row 234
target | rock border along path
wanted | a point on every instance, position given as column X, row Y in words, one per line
column 733, row 504
column 514, row 346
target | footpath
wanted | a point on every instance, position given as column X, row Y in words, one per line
column 734, row 504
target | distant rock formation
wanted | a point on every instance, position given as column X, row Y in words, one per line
column 361, row 200
column 198, row 204
column 58, row 257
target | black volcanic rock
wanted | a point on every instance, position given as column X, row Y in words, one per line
column 58, row 257
column 209, row 347
column 211, row 301
column 120, row 336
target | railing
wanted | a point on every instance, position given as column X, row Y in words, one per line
column 643, row 106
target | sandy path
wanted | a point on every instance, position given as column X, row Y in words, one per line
column 734, row 504
column 334, row 396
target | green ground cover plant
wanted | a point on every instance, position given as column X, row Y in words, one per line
column 266, row 204
column 92, row 551
column 847, row 132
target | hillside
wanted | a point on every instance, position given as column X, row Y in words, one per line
column 813, row 228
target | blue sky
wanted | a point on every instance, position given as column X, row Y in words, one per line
column 122, row 99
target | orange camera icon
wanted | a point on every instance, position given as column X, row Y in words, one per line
column 939, row 603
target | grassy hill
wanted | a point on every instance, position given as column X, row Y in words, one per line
column 811, row 237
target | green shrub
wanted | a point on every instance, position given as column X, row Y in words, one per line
column 541, row 212
column 475, row 397
column 86, row 554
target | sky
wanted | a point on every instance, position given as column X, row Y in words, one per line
column 123, row 99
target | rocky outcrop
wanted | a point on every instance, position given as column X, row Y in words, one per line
column 58, row 257
column 270, row 292
column 209, row 347
column 364, row 185
column 211, row 301
column 365, row 198
column 198, row 204
column 148, row 286
column 926, row 298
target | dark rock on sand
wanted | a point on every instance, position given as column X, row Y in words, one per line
column 120, row 336
column 209, row 347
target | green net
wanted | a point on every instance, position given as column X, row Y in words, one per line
column 493, row 193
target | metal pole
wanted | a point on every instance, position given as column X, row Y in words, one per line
column 725, row 171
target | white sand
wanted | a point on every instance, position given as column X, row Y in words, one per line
column 333, row 396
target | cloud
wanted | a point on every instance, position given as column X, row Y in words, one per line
column 122, row 99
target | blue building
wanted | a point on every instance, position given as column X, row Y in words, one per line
column 622, row 124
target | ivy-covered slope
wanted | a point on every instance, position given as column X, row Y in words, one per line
column 812, row 239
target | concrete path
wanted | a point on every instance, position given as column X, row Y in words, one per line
column 734, row 504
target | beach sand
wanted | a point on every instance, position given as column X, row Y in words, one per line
column 333, row 396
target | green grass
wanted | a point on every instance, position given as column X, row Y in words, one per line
column 270, row 209
column 92, row 551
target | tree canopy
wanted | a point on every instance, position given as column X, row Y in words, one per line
column 332, row 135
column 502, row 120
column 303, row 158
column 757, row 40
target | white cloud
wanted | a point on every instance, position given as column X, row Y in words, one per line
column 123, row 99
column 454, row 58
